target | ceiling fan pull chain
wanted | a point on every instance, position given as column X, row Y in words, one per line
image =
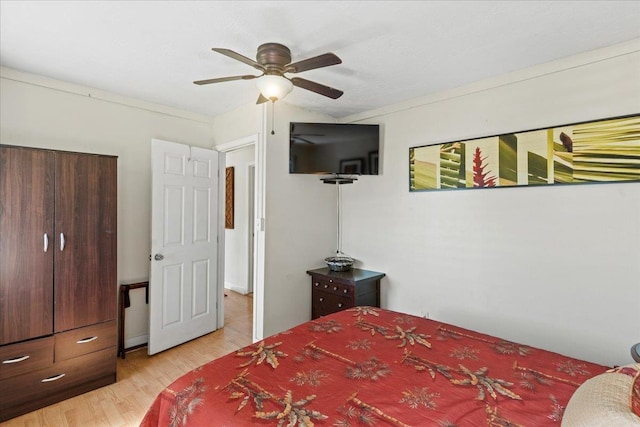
column 339, row 236
column 273, row 113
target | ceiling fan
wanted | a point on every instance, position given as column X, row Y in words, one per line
column 274, row 61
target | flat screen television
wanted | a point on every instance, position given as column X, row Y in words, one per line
column 334, row 149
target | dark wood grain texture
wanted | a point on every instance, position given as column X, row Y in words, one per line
column 57, row 304
column 86, row 214
column 26, row 356
column 333, row 291
column 78, row 342
column 26, row 270
column 75, row 376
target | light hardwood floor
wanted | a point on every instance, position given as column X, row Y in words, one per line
column 142, row 377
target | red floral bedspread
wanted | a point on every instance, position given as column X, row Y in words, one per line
column 373, row 367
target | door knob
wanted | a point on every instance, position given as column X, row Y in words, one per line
column 159, row 257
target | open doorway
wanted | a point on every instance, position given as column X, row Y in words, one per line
column 257, row 247
column 238, row 275
column 240, row 228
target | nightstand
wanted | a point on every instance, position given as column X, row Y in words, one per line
column 333, row 291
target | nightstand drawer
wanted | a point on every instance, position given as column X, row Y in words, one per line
column 333, row 287
column 333, row 291
column 16, row 359
column 325, row 302
column 85, row 340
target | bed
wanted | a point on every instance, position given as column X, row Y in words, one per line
column 368, row 366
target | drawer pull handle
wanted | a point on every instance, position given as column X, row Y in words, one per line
column 53, row 378
column 46, row 242
column 15, row 360
column 86, row 340
column 62, row 242
column 321, row 299
column 340, row 305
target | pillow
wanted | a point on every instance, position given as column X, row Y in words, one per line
column 635, row 394
column 606, row 400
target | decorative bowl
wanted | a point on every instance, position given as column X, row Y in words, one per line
column 339, row 263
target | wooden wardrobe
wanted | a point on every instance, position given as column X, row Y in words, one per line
column 58, row 277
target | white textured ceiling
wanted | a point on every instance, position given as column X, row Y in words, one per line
column 392, row 51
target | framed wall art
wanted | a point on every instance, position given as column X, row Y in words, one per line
column 590, row 152
column 228, row 197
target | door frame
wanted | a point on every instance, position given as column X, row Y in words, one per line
column 251, row 224
column 258, row 141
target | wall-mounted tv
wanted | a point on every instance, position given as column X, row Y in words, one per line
column 332, row 148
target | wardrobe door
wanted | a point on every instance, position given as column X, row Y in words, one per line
column 26, row 243
column 85, row 253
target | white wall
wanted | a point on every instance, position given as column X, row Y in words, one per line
column 236, row 271
column 300, row 226
column 45, row 113
column 237, row 124
column 554, row 267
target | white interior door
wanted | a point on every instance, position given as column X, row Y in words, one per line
column 185, row 249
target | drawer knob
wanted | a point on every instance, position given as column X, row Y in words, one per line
column 15, row 360
column 316, row 284
column 86, row 340
column 335, row 288
column 321, row 299
column 326, row 286
column 339, row 305
column 345, row 291
column 53, row 378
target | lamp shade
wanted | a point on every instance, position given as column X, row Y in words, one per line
column 274, row 87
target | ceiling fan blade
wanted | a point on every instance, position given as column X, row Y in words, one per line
column 238, row 57
column 262, row 99
column 312, row 63
column 224, row 79
column 317, row 88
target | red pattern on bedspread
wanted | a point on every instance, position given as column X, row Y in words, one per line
column 373, row 367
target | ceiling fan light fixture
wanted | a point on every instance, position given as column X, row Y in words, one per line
column 274, row 87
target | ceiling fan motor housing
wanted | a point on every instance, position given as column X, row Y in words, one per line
column 273, row 56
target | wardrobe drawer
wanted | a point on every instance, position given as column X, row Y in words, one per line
column 16, row 359
column 58, row 377
column 77, row 342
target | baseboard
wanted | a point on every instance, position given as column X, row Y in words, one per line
column 136, row 341
column 238, row 289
